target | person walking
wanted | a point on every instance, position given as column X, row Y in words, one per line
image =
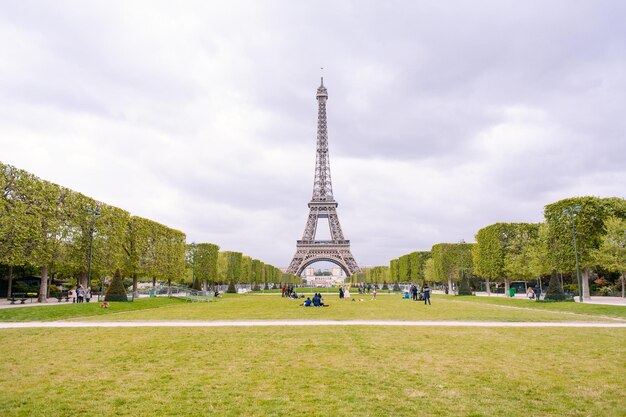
column 347, row 292
column 341, row 293
column 426, row 294
column 88, row 294
column 72, row 294
column 374, row 294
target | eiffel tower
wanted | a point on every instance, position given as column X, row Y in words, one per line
column 322, row 205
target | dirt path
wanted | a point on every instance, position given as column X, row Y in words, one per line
column 260, row 323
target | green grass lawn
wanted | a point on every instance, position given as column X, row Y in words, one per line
column 69, row 310
column 386, row 307
column 325, row 371
column 274, row 307
column 582, row 308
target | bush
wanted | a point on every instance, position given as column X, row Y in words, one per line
column 555, row 291
column 608, row 291
column 116, row 290
column 464, row 288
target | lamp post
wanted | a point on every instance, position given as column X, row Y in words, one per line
column 94, row 214
column 571, row 212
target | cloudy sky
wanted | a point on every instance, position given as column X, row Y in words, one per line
column 443, row 117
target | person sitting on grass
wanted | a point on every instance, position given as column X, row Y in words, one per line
column 316, row 300
column 307, row 302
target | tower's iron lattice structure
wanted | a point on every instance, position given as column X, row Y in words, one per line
column 323, row 205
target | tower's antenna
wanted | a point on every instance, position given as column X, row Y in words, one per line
column 322, row 73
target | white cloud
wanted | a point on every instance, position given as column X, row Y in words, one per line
column 202, row 115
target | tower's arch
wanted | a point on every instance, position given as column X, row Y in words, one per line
column 313, row 260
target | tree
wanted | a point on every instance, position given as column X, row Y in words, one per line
column 16, row 225
column 518, row 256
column 452, row 262
column 246, row 270
column 231, row 269
column 257, row 273
column 46, row 205
column 116, row 290
column 135, row 245
column 404, row 268
column 586, row 216
column 555, row 290
column 393, row 274
column 494, row 244
column 611, row 254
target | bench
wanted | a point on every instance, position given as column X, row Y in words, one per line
column 18, row 296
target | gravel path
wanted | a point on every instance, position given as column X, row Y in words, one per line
column 266, row 323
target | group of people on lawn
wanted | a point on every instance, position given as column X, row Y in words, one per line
column 317, row 301
column 80, row 294
column 417, row 295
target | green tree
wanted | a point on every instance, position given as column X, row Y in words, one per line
column 498, row 251
column 587, row 215
column 135, row 246
column 519, row 253
column 17, row 226
column 116, row 290
column 404, row 268
column 611, row 254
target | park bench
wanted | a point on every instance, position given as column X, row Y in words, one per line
column 18, row 296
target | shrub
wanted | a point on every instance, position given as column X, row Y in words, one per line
column 555, row 291
column 116, row 290
column 464, row 288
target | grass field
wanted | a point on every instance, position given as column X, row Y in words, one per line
column 318, row 371
column 351, row 371
column 386, row 307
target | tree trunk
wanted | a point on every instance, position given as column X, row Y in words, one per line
column 488, row 287
column 10, row 283
column 49, row 286
column 83, row 279
column 43, row 288
column 507, row 285
column 153, row 282
column 585, row 279
column 450, row 286
column 135, row 292
column 623, row 284
column 169, row 287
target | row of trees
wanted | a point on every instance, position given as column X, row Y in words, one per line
column 591, row 229
column 210, row 267
column 68, row 235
